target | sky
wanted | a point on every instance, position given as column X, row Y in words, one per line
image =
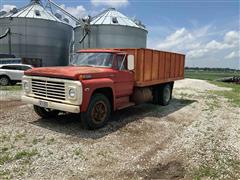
column 207, row 31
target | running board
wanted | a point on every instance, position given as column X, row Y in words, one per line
column 129, row 104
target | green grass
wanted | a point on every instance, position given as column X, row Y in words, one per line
column 11, row 88
column 6, row 157
column 208, row 75
column 25, row 154
column 5, row 174
column 233, row 95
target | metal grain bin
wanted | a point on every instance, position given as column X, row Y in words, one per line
column 35, row 33
column 111, row 29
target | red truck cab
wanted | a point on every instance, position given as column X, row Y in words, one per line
column 97, row 82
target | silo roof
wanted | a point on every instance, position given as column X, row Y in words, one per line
column 114, row 17
column 34, row 10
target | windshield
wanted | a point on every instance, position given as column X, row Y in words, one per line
column 93, row 59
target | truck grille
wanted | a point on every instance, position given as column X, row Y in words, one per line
column 48, row 89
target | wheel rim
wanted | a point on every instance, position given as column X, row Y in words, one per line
column 167, row 94
column 99, row 112
column 4, row 81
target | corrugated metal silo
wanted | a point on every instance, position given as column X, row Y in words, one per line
column 111, row 29
column 36, row 33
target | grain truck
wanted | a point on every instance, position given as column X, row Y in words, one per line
column 101, row 81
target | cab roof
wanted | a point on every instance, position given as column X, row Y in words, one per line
column 100, row 50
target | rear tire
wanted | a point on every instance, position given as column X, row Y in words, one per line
column 98, row 112
column 44, row 112
column 4, row 81
column 13, row 83
column 165, row 94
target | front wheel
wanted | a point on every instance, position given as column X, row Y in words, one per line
column 98, row 112
column 4, row 81
column 45, row 112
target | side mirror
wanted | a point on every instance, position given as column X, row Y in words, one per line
column 130, row 62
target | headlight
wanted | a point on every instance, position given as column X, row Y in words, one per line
column 72, row 93
column 26, row 85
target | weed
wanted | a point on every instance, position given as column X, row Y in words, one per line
column 4, row 158
column 35, row 141
column 78, row 152
column 50, row 141
column 25, row 154
column 4, row 138
column 4, row 149
column 5, row 174
column 20, row 136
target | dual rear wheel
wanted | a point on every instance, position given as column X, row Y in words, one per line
column 162, row 95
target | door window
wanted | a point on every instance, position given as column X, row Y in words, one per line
column 9, row 67
column 24, row 68
column 121, row 62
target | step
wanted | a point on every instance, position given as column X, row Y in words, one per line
column 125, row 105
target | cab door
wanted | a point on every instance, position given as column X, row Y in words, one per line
column 123, row 79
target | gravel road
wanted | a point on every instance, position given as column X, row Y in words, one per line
column 197, row 135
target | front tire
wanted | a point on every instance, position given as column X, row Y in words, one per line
column 45, row 112
column 98, row 112
column 4, row 81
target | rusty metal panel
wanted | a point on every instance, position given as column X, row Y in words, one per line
column 147, row 65
column 172, row 69
column 177, row 70
column 167, row 65
column 182, row 66
column 162, row 61
column 155, row 65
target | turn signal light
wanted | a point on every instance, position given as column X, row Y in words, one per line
column 85, row 76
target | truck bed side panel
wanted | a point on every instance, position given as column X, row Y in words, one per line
column 155, row 67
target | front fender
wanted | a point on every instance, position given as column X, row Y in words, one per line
column 91, row 85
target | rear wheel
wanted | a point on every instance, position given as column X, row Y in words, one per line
column 4, row 81
column 45, row 112
column 98, row 112
column 165, row 95
column 13, row 83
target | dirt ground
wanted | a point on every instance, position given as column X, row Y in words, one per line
column 196, row 136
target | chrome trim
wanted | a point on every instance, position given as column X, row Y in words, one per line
column 53, row 89
column 53, row 105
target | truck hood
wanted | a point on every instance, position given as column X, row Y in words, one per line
column 68, row 72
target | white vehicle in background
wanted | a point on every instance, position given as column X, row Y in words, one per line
column 10, row 74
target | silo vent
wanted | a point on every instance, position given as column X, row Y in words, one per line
column 66, row 20
column 114, row 20
column 59, row 16
column 36, row 1
column 14, row 11
column 37, row 12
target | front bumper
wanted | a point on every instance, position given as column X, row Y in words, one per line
column 53, row 105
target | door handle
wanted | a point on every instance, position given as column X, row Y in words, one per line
column 111, row 75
